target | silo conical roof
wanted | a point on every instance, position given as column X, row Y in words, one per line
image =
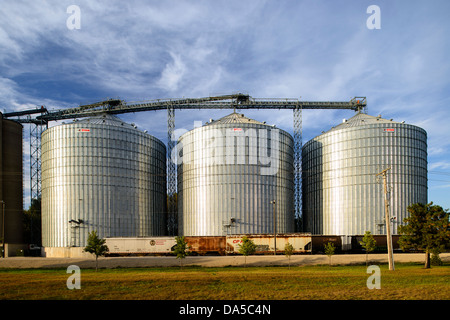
column 362, row 119
column 107, row 119
column 234, row 117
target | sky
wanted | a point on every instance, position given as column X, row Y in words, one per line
column 312, row 50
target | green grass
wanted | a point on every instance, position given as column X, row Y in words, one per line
column 408, row 281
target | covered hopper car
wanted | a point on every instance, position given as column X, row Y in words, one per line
column 230, row 244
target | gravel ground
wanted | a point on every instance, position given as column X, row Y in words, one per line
column 208, row 261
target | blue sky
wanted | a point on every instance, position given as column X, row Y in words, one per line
column 310, row 50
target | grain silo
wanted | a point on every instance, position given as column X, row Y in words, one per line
column 11, row 186
column 101, row 174
column 229, row 173
column 341, row 192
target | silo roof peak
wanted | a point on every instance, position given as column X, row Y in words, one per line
column 235, row 118
column 362, row 119
column 107, row 119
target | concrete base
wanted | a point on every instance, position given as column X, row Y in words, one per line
column 64, row 252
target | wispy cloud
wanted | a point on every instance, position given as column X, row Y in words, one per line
column 172, row 73
column 439, row 165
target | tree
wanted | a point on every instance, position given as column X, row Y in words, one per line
column 246, row 248
column 96, row 246
column 288, row 251
column 329, row 250
column 368, row 243
column 427, row 228
column 181, row 249
column 435, row 259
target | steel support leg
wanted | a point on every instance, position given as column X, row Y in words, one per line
column 171, row 174
column 298, row 165
column 35, row 159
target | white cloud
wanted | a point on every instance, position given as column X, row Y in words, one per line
column 443, row 186
column 439, row 165
column 172, row 73
column 12, row 99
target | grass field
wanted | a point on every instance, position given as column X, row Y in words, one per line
column 408, row 281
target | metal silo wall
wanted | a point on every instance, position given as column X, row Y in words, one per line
column 111, row 177
column 12, row 181
column 214, row 187
column 341, row 194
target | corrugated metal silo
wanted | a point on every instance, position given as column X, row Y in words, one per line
column 341, row 194
column 11, row 186
column 229, row 171
column 101, row 174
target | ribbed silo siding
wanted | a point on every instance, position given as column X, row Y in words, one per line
column 110, row 177
column 341, row 194
column 11, row 182
column 212, row 190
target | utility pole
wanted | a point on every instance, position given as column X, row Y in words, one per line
column 274, row 228
column 388, row 220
